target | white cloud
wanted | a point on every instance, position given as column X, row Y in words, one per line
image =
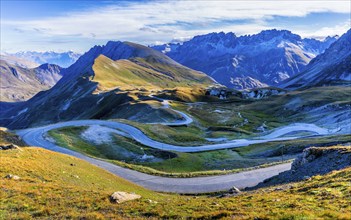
column 328, row 31
column 147, row 22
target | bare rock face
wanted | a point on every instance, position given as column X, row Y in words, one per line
column 234, row 190
column 120, row 197
column 313, row 161
column 306, row 157
column 249, row 61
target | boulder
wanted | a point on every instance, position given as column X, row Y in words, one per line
column 234, row 190
column 8, row 147
column 120, row 197
column 13, row 177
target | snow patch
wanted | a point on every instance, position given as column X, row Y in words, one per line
column 20, row 112
column 345, row 76
column 66, row 105
column 98, row 102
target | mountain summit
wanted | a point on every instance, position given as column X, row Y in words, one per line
column 19, row 83
column 104, row 82
column 266, row 58
column 329, row 68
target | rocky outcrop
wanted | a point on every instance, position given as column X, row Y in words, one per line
column 120, row 197
column 323, row 160
column 249, row 61
column 259, row 93
column 12, row 177
column 8, row 147
column 313, row 161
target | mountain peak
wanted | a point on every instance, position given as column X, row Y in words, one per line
column 328, row 68
column 267, row 35
column 215, row 37
column 46, row 66
column 333, row 38
column 269, row 57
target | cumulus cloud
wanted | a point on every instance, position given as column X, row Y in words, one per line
column 151, row 21
column 329, row 31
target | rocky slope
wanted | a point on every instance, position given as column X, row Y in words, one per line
column 329, row 68
column 20, row 84
column 313, row 161
column 247, row 61
column 100, row 85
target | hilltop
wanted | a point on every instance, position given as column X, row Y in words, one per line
column 20, row 84
column 107, row 81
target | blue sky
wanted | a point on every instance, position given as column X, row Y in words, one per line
column 78, row 25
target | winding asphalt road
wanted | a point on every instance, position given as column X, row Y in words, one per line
column 35, row 137
column 186, row 120
column 140, row 137
column 241, row 180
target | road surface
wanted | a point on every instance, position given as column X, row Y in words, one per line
column 161, row 184
column 35, row 137
column 140, row 137
column 186, row 119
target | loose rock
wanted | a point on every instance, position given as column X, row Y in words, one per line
column 234, row 190
column 14, row 177
column 8, row 147
column 120, row 197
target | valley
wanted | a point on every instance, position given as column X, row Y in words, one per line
column 173, row 120
column 174, row 149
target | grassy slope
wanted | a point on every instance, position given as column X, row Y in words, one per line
column 184, row 135
column 222, row 119
column 187, row 94
column 64, row 191
column 125, row 152
column 144, row 73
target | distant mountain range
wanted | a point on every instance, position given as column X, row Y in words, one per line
column 64, row 59
column 19, row 83
column 16, row 61
column 263, row 59
column 109, row 81
column 333, row 67
column 104, row 82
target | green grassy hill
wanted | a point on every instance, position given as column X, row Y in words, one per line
column 144, row 73
column 104, row 82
